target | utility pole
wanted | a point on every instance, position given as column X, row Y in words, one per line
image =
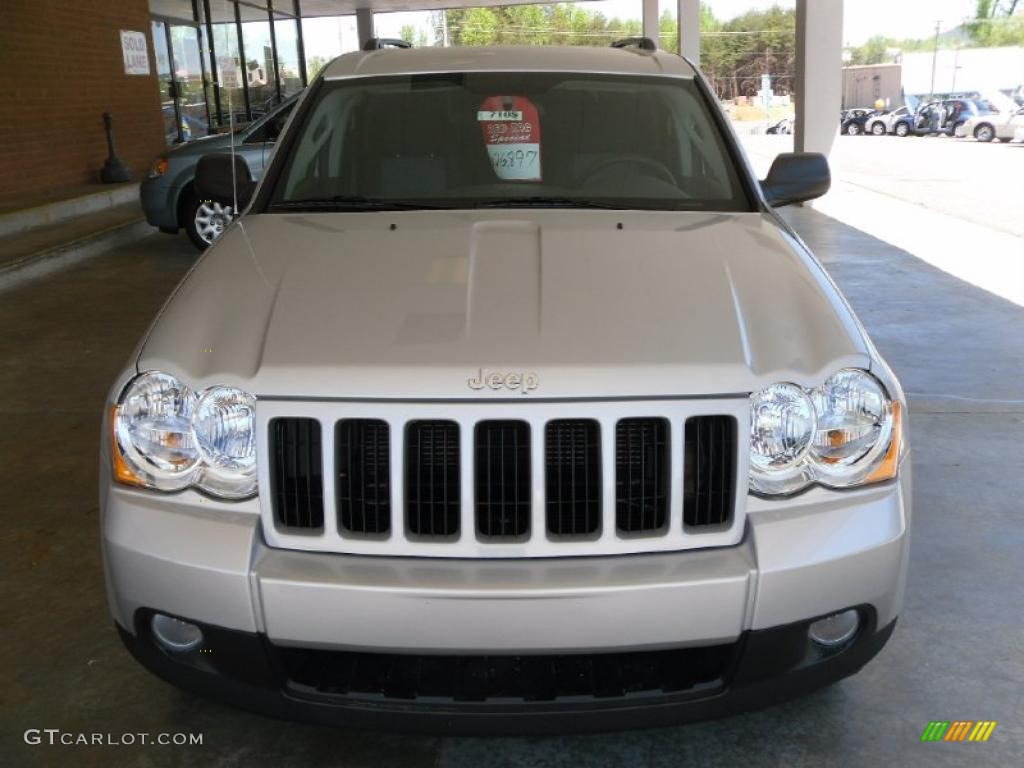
column 935, row 57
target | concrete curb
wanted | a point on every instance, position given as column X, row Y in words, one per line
column 52, row 259
column 61, row 210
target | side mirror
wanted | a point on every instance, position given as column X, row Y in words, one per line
column 795, row 177
column 217, row 175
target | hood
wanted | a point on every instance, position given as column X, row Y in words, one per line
column 205, row 144
column 420, row 304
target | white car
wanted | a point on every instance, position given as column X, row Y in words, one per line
column 889, row 122
column 1004, row 126
column 508, row 404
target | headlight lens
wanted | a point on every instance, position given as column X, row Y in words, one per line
column 851, row 428
column 224, row 428
column 154, row 431
column 168, row 438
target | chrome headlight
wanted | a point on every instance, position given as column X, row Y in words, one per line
column 843, row 433
column 168, row 438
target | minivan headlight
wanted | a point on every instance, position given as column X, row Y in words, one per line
column 843, row 433
column 166, row 437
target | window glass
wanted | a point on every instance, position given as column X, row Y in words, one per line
column 229, row 71
column 286, row 35
column 324, row 38
column 458, row 140
column 259, row 60
column 188, row 77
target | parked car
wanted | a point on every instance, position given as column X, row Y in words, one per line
column 852, row 121
column 509, row 404
column 945, row 117
column 168, row 194
column 784, row 125
column 995, row 125
column 884, row 123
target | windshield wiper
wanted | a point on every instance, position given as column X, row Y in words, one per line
column 351, row 203
column 539, row 201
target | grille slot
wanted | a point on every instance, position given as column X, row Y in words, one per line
column 363, row 471
column 503, row 680
column 432, row 478
column 572, row 462
column 296, row 469
column 502, row 484
column 709, row 476
column 641, row 475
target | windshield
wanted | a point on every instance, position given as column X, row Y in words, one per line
column 469, row 140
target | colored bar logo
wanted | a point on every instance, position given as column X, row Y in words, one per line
column 958, row 730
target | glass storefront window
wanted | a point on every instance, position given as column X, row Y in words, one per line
column 258, row 67
column 188, row 79
column 286, row 35
column 229, row 71
column 324, row 38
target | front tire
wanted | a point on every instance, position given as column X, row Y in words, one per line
column 902, row 129
column 853, row 129
column 984, row 133
column 878, row 129
column 205, row 221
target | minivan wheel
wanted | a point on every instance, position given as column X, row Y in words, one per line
column 205, row 220
column 984, row 133
column 902, row 129
column 878, row 129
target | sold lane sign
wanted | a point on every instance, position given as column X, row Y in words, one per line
column 135, row 52
column 511, row 129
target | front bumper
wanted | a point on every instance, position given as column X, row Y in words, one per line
column 159, row 198
column 747, row 605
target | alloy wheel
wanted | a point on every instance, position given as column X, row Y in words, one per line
column 212, row 219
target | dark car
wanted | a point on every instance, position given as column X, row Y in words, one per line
column 853, row 121
column 168, row 196
column 783, row 126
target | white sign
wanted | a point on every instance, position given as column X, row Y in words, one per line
column 135, row 52
column 230, row 74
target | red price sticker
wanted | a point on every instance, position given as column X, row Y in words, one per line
column 511, row 129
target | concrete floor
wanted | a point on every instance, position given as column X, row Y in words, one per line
column 958, row 652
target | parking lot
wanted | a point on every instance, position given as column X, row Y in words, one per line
column 956, row 653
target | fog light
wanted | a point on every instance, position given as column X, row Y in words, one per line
column 174, row 634
column 835, row 630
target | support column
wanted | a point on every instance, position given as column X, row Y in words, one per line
column 364, row 25
column 650, row 16
column 689, row 30
column 819, row 74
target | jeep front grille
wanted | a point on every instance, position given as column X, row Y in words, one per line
column 572, row 464
column 432, row 478
column 296, row 483
column 538, row 479
column 362, row 448
column 502, row 450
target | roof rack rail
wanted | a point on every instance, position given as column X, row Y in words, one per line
column 376, row 43
column 643, row 43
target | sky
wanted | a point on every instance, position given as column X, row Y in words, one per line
column 862, row 19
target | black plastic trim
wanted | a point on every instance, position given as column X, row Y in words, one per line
column 772, row 665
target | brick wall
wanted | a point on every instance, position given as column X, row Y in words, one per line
column 61, row 67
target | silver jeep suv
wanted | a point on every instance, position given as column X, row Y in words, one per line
column 508, row 405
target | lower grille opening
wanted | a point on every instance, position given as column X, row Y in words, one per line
column 363, row 451
column 572, row 462
column 641, row 475
column 502, row 484
column 296, row 482
column 709, row 471
column 433, row 489
column 504, row 679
